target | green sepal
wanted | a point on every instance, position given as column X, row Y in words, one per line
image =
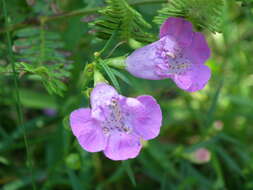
column 87, row 92
column 99, row 78
column 117, row 62
column 86, row 76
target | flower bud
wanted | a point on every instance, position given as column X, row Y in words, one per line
column 30, row 2
column 218, row 125
column 199, row 156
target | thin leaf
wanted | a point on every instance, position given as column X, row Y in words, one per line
column 76, row 185
column 129, row 171
column 111, row 75
column 229, row 161
column 121, row 76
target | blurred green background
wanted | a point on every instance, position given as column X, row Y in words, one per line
column 218, row 118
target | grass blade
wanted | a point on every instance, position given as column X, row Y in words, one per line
column 129, row 171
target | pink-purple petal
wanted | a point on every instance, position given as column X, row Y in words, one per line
column 144, row 116
column 122, row 146
column 79, row 119
column 132, row 106
column 195, row 79
column 87, row 130
column 147, row 123
column 93, row 140
column 102, row 94
column 178, row 28
column 199, row 52
column 183, row 81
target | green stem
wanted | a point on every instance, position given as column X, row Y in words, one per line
column 114, row 48
column 17, row 95
column 85, row 11
column 98, row 167
column 79, row 12
column 42, row 42
column 108, row 43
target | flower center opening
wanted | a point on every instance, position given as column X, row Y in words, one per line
column 171, row 58
column 177, row 64
column 115, row 120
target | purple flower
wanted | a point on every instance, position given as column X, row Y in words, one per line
column 115, row 124
column 180, row 54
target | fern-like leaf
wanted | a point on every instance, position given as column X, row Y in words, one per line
column 38, row 53
column 119, row 15
column 202, row 13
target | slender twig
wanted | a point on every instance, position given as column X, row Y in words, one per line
column 117, row 45
column 109, row 42
column 17, row 95
column 79, row 12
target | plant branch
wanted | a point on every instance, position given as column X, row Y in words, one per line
column 79, row 12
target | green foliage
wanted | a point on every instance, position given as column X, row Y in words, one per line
column 218, row 118
column 119, row 15
column 204, row 14
column 246, row 2
column 39, row 53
